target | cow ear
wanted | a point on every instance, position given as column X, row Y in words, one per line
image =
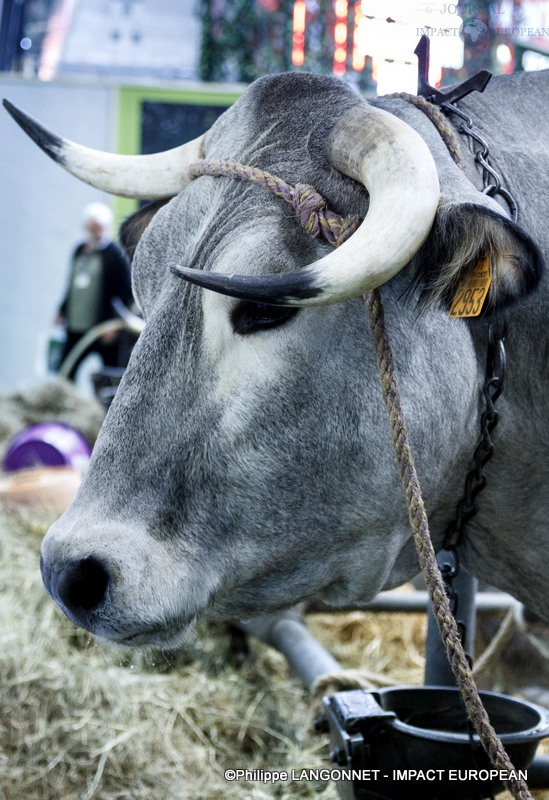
column 133, row 228
column 465, row 234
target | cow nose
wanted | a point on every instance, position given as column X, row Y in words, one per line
column 79, row 587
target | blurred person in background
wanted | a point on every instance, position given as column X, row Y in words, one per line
column 99, row 272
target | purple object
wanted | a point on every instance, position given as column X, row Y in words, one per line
column 48, row 444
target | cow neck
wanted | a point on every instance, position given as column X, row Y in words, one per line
column 440, row 572
column 476, row 481
column 437, row 109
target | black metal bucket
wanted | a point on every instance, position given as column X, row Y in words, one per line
column 411, row 741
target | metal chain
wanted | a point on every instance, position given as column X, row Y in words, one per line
column 476, row 478
column 493, row 184
column 495, row 369
column 475, row 481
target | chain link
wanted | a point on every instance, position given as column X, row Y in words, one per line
column 475, row 482
column 491, row 179
column 476, row 479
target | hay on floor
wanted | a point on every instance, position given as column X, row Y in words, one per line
column 81, row 720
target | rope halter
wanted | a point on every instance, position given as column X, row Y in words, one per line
column 310, row 207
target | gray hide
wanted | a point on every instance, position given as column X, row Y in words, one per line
column 239, row 474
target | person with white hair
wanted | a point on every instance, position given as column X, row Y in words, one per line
column 99, row 272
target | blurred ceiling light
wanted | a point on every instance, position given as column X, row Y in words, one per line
column 504, row 54
column 388, row 32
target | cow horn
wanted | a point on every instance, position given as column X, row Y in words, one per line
column 145, row 176
column 395, row 165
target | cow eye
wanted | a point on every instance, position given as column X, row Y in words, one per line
column 249, row 317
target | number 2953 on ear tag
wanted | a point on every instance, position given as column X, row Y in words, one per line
column 472, row 292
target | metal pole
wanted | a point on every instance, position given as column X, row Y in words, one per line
column 287, row 634
column 437, row 668
column 415, row 601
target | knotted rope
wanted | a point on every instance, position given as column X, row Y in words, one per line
column 310, row 207
column 427, row 558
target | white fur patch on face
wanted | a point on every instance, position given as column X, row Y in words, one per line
column 242, row 364
column 240, row 361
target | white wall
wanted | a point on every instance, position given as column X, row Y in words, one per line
column 40, row 213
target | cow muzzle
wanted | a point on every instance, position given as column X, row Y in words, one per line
column 119, row 583
column 80, row 587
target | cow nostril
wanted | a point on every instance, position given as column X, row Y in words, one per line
column 83, row 584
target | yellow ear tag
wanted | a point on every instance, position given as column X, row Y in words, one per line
column 473, row 291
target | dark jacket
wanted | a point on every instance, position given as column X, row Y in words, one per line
column 116, row 281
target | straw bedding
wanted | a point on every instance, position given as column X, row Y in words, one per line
column 82, row 720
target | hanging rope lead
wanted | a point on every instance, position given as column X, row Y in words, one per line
column 427, row 558
column 315, row 217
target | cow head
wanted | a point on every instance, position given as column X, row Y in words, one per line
column 245, row 463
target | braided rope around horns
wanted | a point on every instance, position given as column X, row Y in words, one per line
column 310, row 207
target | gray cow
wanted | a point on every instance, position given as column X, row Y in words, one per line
column 246, row 462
